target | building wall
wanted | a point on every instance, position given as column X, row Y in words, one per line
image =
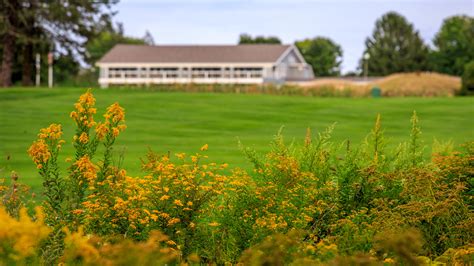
column 290, row 67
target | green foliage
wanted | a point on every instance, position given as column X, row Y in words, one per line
column 106, row 39
column 31, row 27
column 317, row 201
column 395, row 46
column 248, row 39
column 454, row 45
column 324, row 55
column 468, row 79
column 257, row 118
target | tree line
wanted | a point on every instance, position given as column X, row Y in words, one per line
column 81, row 32
column 77, row 33
column 394, row 46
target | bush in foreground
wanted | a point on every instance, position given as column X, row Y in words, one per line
column 315, row 202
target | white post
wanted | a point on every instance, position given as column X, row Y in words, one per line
column 50, row 70
column 38, row 67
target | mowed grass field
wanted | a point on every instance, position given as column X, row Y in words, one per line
column 183, row 122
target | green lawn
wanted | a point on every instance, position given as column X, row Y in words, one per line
column 183, row 122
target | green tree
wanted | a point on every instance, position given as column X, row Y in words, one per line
column 247, row 39
column 395, row 46
column 27, row 26
column 106, row 40
column 468, row 79
column 454, row 45
column 324, row 55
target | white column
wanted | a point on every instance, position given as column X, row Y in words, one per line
column 38, row 67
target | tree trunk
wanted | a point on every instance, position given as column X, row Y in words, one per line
column 26, row 76
column 9, row 10
column 7, row 60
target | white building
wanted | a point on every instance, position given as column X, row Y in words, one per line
column 231, row 64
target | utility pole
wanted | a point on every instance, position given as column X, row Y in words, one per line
column 38, row 68
column 366, row 65
column 50, row 69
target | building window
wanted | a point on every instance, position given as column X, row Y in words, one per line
column 248, row 72
column 206, row 72
column 123, row 72
column 164, row 72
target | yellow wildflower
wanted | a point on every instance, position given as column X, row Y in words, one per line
column 83, row 115
column 84, row 138
column 178, row 203
column 53, row 132
column 171, row 243
column 86, row 168
column 164, row 197
column 205, row 147
column 115, row 131
column 101, row 130
column 116, row 113
column 173, row 221
column 214, row 224
column 79, row 244
column 39, row 152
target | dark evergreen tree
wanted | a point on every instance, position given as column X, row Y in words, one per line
column 395, row 46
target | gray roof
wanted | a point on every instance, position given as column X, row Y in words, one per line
column 246, row 53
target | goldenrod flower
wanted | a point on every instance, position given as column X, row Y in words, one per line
column 39, row 152
column 101, row 130
column 86, row 168
column 116, row 113
column 83, row 115
column 164, row 197
column 53, row 132
column 84, row 138
column 173, row 221
column 171, row 243
column 178, row 203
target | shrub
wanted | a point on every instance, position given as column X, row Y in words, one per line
column 468, row 79
column 308, row 202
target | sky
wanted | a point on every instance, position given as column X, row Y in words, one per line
column 347, row 22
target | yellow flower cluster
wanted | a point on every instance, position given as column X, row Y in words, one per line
column 296, row 204
column 84, row 113
column 114, row 122
column 39, row 152
column 115, row 113
column 53, row 132
column 86, row 168
column 81, row 249
column 49, row 140
column 22, row 237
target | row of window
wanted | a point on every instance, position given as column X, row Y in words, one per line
column 197, row 72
